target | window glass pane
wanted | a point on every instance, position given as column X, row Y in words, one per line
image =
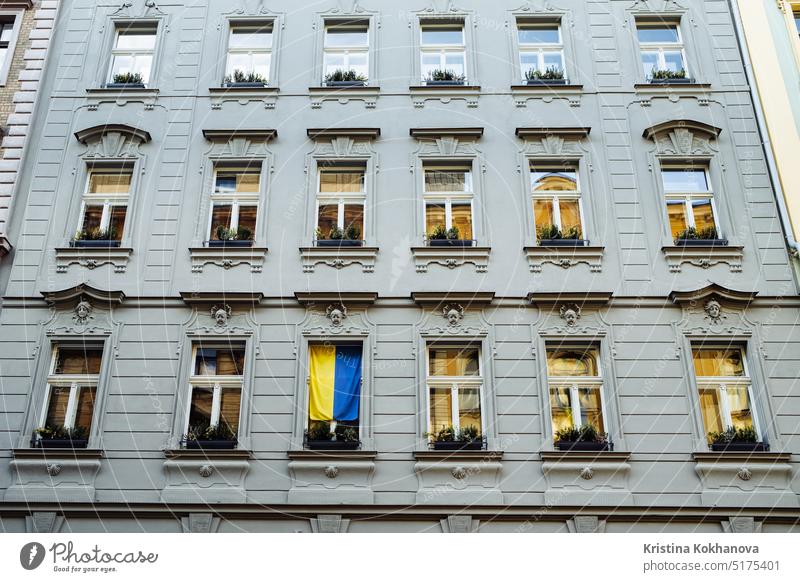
column 200, row 409
column 136, row 39
column 358, row 63
column 445, row 180
column 238, row 62
column 676, row 212
column 341, row 181
column 674, row 61
column 453, row 362
column 75, row 360
column 553, row 61
column 229, row 408
column 443, row 35
column 339, row 36
column 92, row 216
column 797, row 22
column 327, row 218
column 709, row 408
column 529, row 62
column 469, row 408
column 219, row 362
column 461, row 214
column 561, row 408
column 109, row 183
column 441, row 409
column 256, row 38
column 570, row 215
column 684, row 180
column 539, row 35
column 649, row 62
column 591, row 408
column 454, row 62
column 6, row 30
column 575, row 362
column 230, row 182
column 116, row 223
column 703, row 214
column 709, row 362
column 220, row 216
column 543, row 214
column 658, row 34
column 247, row 217
column 554, row 180
column 260, row 64
column 434, row 217
column 739, row 405
column 3, row 54
column 57, row 407
column 85, row 408
column 430, row 63
column 354, row 215
column 142, row 64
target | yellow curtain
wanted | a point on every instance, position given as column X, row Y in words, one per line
column 322, row 367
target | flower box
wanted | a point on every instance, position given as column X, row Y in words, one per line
column 445, row 242
column 95, row 244
column 546, row 81
column 701, row 242
column 210, row 444
column 124, row 85
column 229, row 243
column 62, row 443
column 341, row 84
column 453, row 82
column 740, row 447
column 563, row 242
column 339, row 242
column 678, row 81
column 583, row 446
column 333, row 445
column 457, row 445
column 245, row 84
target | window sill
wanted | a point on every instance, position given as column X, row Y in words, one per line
column 91, row 258
column 602, row 456
column 243, row 95
column 339, row 257
column 704, row 257
column 121, row 96
column 47, row 453
column 700, row 90
column 228, row 257
column 451, row 257
column 309, row 454
column 461, row 454
column 344, row 94
column 546, row 91
column 445, row 94
column 207, row 454
column 564, row 257
column 245, row 88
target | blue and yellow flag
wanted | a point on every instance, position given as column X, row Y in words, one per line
column 335, row 382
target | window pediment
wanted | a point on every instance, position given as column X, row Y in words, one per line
column 113, row 140
column 683, row 138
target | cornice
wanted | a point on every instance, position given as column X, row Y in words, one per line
column 562, row 132
column 309, row 298
column 229, row 134
column 97, row 131
column 83, row 290
column 351, row 132
column 209, row 297
column 465, row 298
column 440, row 132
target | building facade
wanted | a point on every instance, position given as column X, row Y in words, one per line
column 358, row 266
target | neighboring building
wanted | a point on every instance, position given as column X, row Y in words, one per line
column 772, row 32
column 431, row 245
column 25, row 30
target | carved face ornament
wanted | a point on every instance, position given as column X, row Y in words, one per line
column 82, row 311
column 570, row 313
column 454, row 314
column 714, row 310
column 337, row 314
column 221, row 314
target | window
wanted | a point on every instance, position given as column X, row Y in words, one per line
column 249, row 53
column 334, row 384
column 346, row 49
column 455, row 388
column 444, row 53
column 797, row 21
column 448, row 197
column 105, row 204
column 132, row 55
column 541, row 49
column 216, row 387
column 661, row 50
column 576, row 388
column 6, row 36
column 690, row 201
column 341, row 193
column 72, row 387
column 234, row 202
column 724, row 389
column 556, row 202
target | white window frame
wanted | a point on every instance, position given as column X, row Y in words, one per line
column 661, row 47
column 447, row 198
column 15, row 19
column 688, row 197
column 346, row 51
column 106, row 200
column 453, row 382
column 217, row 383
column 235, row 199
column 556, row 197
column 125, row 26
column 333, row 423
column 75, row 382
column 721, row 383
column 250, row 51
column 540, row 48
column 442, row 49
column 341, row 198
column 577, row 382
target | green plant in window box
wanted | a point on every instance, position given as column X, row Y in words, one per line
column 667, row 74
column 733, row 439
column 245, row 79
column 692, row 236
column 583, row 438
column 209, row 436
column 551, row 235
column 344, row 78
column 549, row 74
column 95, row 237
column 444, row 77
column 61, row 437
column 448, row 438
column 128, row 79
column 241, row 236
column 439, row 233
column 320, row 436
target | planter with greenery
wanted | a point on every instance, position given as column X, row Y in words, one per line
column 60, row 437
column 336, row 237
column 449, row 439
column 444, row 77
column 126, row 81
column 320, row 437
column 550, row 76
column 583, row 438
column 95, row 238
column 245, row 79
column 702, row 237
column 733, row 439
column 345, row 78
column 552, row 236
column 232, row 237
column 667, row 76
column 206, row 436
column 444, row 237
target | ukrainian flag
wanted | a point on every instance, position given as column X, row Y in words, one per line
column 335, row 382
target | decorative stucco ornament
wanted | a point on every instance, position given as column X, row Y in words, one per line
column 337, row 313
column 221, row 314
column 570, row 313
column 453, row 313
